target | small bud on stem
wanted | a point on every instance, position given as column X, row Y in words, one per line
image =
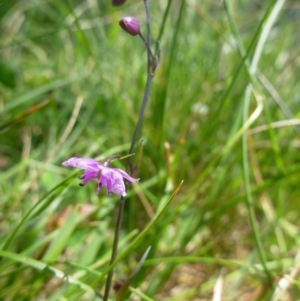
column 131, row 25
column 118, row 2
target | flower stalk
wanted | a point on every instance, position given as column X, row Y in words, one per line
column 114, row 249
column 152, row 63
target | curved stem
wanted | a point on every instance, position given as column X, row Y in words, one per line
column 249, row 199
column 148, row 47
column 107, row 161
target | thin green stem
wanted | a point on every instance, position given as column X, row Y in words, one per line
column 148, row 20
column 141, row 114
column 148, row 47
column 148, row 82
column 249, row 199
column 162, row 27
column 161, row 103
column 133, row 142
column 114, row 249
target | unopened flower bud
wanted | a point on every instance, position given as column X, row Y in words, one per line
column 130, row 25
column 118, row 284
column 118, row 2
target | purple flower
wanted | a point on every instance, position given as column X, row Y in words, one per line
column 112, row 178
column 130, row 25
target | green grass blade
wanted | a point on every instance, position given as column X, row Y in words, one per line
column 38, row 265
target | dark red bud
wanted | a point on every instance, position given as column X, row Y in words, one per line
column 118, row 284
column 118, row 2
column 130, row 25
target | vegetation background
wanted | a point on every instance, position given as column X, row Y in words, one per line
column 222, row 116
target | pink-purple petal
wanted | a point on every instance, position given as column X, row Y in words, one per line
column 113, row 181
column 89, row 175
column 82, row 163
column 126, row 175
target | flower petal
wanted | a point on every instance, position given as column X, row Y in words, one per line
column 126, row 175
column 83, row 163
column 89, row 175
column 113, row 181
